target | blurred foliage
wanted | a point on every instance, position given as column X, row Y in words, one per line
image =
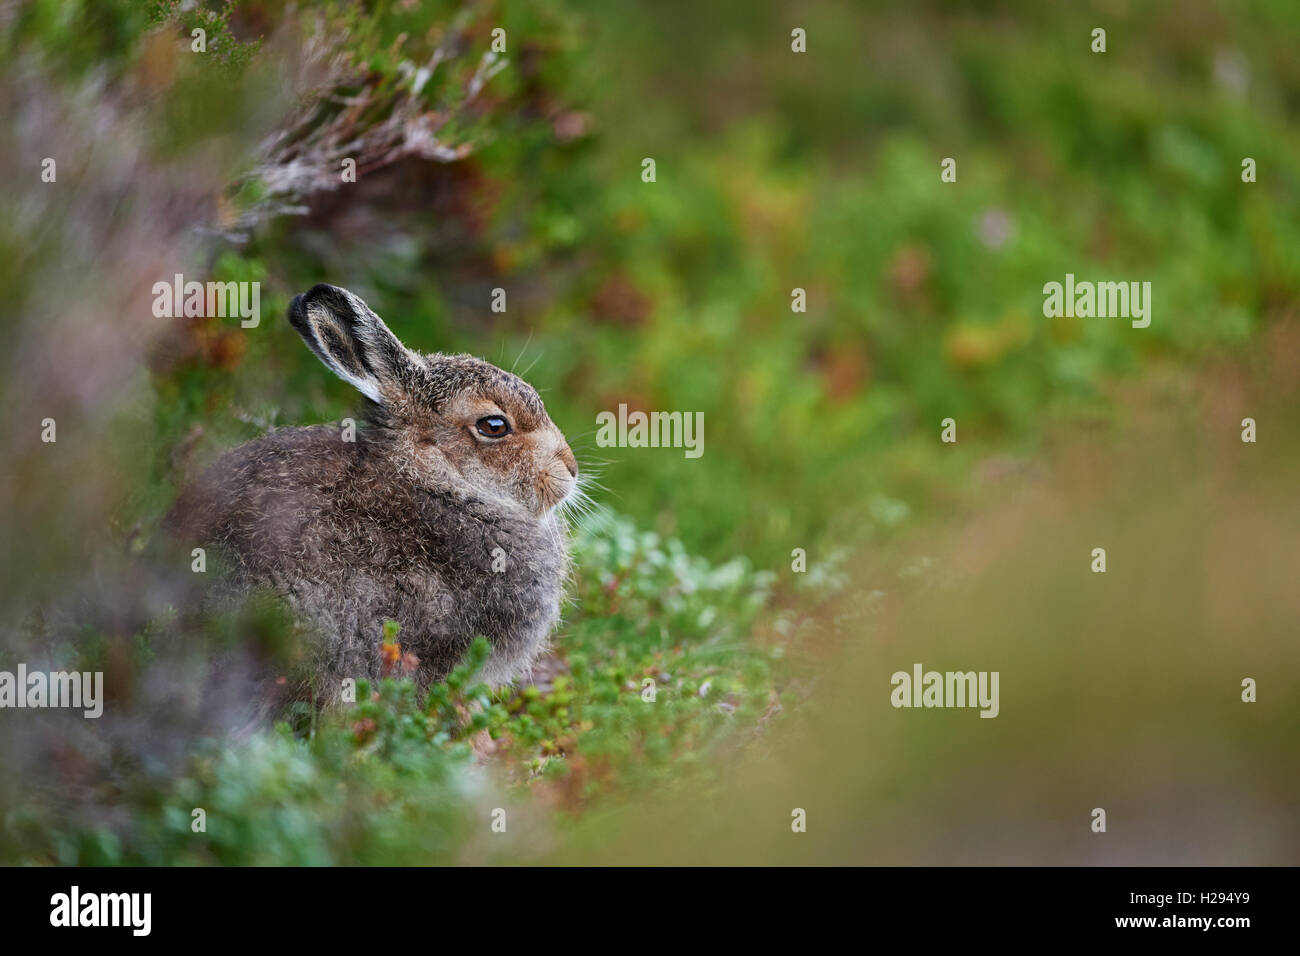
column 924, row 298
column 393, row 778
column 775, row 171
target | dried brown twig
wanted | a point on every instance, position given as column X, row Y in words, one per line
column 351, row 115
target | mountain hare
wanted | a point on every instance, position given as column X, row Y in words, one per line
column 441, row 513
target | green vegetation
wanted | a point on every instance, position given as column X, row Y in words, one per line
column 775, row 171
column 390, row 780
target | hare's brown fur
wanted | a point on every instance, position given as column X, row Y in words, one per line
column 406, row 521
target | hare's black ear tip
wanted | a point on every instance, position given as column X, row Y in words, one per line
column 298, row 310
column 322, row 293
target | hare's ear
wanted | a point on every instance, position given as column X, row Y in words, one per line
column 350, row 339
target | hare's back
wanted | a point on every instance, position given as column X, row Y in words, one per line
column 260, row 502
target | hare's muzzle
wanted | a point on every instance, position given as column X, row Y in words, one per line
column 558, row 478
column 570, row 463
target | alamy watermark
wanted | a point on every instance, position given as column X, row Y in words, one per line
column 75, row 689
column 950, row 689
column 1122, row 300
column 129, row 910
column 651, row 430
column 225, row 300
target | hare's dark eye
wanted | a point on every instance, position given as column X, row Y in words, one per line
column 493, row 426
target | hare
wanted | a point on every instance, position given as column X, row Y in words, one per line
column 442, row 512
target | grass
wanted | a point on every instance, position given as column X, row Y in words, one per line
column 653, row 681
column 776, row 172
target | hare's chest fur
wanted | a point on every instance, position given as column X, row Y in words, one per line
column 447, row 568
column 350, row 547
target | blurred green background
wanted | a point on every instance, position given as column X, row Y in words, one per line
column 775, row 171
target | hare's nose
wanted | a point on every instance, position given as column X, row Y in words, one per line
column 571, row 463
